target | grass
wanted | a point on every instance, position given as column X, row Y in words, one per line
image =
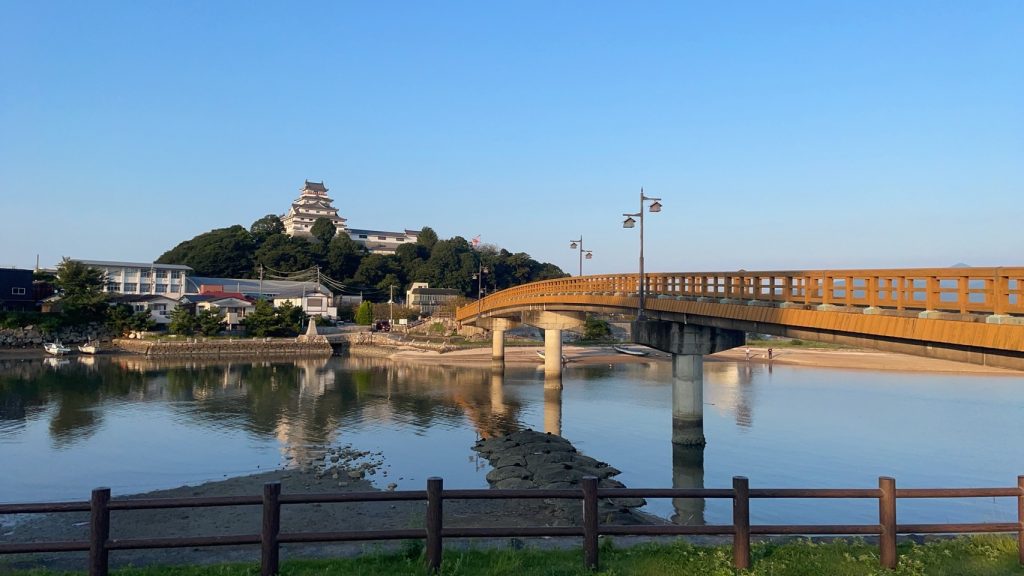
column 794, row 343
column 967, row 556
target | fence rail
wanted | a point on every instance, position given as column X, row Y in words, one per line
column 982, row 291
column 433, row 533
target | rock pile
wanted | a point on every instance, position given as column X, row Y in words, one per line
column 34, row 336
column 531, row 459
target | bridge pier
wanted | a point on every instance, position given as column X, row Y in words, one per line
column 688, row 343
column 688, row 400
column 688, row 473
column 553, row 323
column 498, row 349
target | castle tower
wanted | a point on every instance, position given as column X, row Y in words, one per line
column 312, row 203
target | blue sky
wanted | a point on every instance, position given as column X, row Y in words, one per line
column 780, row 135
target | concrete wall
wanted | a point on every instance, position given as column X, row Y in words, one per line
column 225, row 347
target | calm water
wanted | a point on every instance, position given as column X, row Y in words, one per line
column 137, row 425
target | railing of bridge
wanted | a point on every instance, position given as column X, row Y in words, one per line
column 980, row 291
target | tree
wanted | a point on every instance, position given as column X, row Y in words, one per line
column 323, row 231
column 364, row 315
column 266, row 227
column 285, row 253
column 596, row 329
column 262, row 321
column 211, row 321
column 183, row 321
column 81, row 288
column 225, row 252
column 344, row 256
column 427, row 237
column 375, row 268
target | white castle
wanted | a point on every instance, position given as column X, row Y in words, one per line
column 313, row 202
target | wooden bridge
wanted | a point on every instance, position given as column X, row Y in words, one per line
column 966, row 314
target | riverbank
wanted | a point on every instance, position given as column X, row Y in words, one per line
column 790, row 356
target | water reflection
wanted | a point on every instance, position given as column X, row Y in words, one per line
column 688, row 472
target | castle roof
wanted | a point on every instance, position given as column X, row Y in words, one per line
column 315, row 187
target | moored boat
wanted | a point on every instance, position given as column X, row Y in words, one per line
column 56, row 348
column 565, row 359
column 90, row 347
column 629, row 351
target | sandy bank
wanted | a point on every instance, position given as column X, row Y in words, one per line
column 857, row 360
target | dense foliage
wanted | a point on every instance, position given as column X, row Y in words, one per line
column 453, row 263
column 265, row 320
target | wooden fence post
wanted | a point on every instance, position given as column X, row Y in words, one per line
column 99, row 532
column 435, row 486
column 1020, row 519
column 589, row 484
column 887, row 521
column 741, row 522
column 270, row 551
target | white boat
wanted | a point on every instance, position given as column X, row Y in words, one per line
column 629, row 351
column 90, row 347
column 565, row 359
column 56, row 348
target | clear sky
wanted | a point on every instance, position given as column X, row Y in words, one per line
column 780, row 135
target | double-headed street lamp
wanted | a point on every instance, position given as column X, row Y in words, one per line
column 479, row 277
column 629, row 223
column 589, row 253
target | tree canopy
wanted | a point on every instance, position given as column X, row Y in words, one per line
column 235, row 252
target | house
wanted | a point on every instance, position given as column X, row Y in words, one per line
column 158, row 306
column 320, row 301
column 429, row 300
column 142, row 278
column 378, row 242
column 16, row 291
column 312, row 301
column 233, row 305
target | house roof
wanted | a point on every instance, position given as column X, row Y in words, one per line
column 113, row 264
column 376, row 232
column 436, row 291
column 128, row 298
column 251, row 287
column 315, row 186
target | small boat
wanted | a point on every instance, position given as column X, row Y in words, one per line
column 565, row 359
column 629, row 351
column 90, row 347
column 56, row 348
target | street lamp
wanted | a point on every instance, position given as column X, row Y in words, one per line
column 479, row 277
column 589, row 253
column 629, row 222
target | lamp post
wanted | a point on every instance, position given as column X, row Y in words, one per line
column 629, row 222
column 589, row 253
column 479, row 277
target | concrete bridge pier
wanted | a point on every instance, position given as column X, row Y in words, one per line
column 688, row 344
column 688, row 400
column 553, row 323
column 498, row 327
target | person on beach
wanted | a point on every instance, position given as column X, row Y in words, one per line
column 747, row 353
column 770, row 353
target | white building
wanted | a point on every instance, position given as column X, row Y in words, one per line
column 379, row 242
column 313, row 302
column 142, row 278
column 427, row 300
column 312, row 203
column 159, row 307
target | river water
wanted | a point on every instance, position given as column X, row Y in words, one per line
column 136, row 425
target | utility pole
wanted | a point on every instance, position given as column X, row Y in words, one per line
column 261, row 282
column 391, row 306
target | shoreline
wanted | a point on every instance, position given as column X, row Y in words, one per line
column 832, row 358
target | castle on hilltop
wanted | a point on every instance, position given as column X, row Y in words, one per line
column 313, row 202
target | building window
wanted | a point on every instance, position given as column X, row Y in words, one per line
column 146, row 287
column 382, row 237
column 17, row 291
column 175, row 288
column 113, row 286
column 161, row 273
column 314, row 302
column 139, row 307
column 161, row 288
column 363, row 236
column 130, row 288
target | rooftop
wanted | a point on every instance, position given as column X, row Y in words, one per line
column 314, row 187
column 113, row 264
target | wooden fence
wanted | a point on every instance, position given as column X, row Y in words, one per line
column 100, row 544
